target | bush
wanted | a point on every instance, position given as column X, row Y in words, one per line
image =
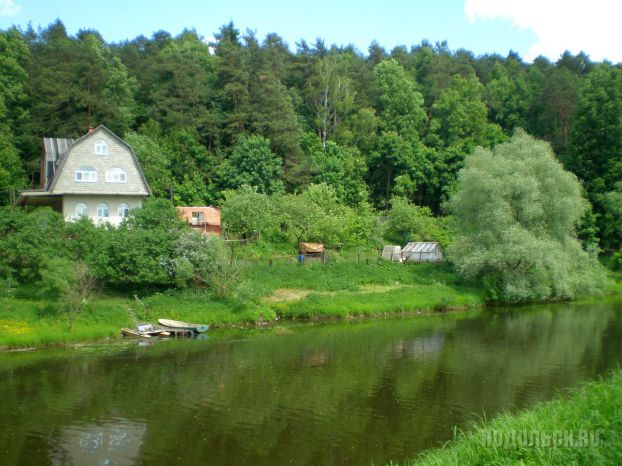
column 26, row 237
column 516, row 211
column 408, row 222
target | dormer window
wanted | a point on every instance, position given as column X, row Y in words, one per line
column 115, row 175
column 86, row 174
column 101, row 148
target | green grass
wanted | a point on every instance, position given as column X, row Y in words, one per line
column 343, row 288
column 343, row 304
column 540, row 435
column 339, row 289
column 29, row 322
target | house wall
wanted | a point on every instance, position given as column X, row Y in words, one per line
column 92, row 201
column 82, row 153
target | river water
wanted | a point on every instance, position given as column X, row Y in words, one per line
column 311, row 394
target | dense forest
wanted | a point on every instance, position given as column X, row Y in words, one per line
column 375, row 126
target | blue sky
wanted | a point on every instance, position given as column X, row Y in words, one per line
column 528, row 27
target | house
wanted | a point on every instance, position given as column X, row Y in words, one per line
column 96, row 176
column 203, row 219
column 422, row 252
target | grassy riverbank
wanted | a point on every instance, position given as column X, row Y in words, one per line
column 583, row 427
column 343, row 289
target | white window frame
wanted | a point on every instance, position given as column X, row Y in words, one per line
column 100, row 211
column 123, row 210
column 79, row 210
column 101, row 147
column 116, row 175
column 86, row 174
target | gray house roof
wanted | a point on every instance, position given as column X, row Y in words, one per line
column 54, row 149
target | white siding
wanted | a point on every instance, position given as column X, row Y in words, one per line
column 82, row 153
column 92, row 201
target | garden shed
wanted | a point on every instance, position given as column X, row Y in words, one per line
column 205, row 219
column 392, row 253
column 313, row 251
column 422, row 252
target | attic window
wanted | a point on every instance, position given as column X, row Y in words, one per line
column 101, row 148
column 86, row 174
column 115, row 175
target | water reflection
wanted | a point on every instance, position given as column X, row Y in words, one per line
column 351, row 393
column 112, row 443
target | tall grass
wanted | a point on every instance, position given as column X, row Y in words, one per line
column 28, row 322
column 339, row 289
column 584, row 427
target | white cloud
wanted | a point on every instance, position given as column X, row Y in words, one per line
column 559, row 25
column 8, row 8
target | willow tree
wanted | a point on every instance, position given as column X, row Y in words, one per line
column 516, row 209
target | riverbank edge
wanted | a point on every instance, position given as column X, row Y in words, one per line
column 33, row 323
column 89, row 327
column 580, row 426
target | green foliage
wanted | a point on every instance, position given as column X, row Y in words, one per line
column 88, row 84
column 371, row 126
column 516, row 210
column 507, row 94
column 612, row 218
column 185, row 77
column 26, row 238
column 343, row 168
column 248, row 213
column 313, row 215
column 459, row 117
column 275, row 119
column 330, row 93
column 589, row 410
column 395, row 157
column 408, row 222
column 316, row 215
column 141, row 251
column 218, row 268
column 252, row 163
column 596, row 138
column 69, row 284
column 154, row 160
column 12, row 173
column 401, row 105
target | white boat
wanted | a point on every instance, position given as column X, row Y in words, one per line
column 177, row 324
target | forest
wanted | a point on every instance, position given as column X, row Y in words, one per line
column 380, row 128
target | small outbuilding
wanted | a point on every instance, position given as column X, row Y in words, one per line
column 422, row 252
column 313, row 251
column 392, row 253
column 204, row 219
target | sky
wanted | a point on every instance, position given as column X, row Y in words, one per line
column 528, row 27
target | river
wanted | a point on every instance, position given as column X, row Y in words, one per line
column 360, row 392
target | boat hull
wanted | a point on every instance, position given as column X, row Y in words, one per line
column 128, row 332
column 198, row 328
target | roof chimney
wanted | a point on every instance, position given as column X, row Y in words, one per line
column 90, row 129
